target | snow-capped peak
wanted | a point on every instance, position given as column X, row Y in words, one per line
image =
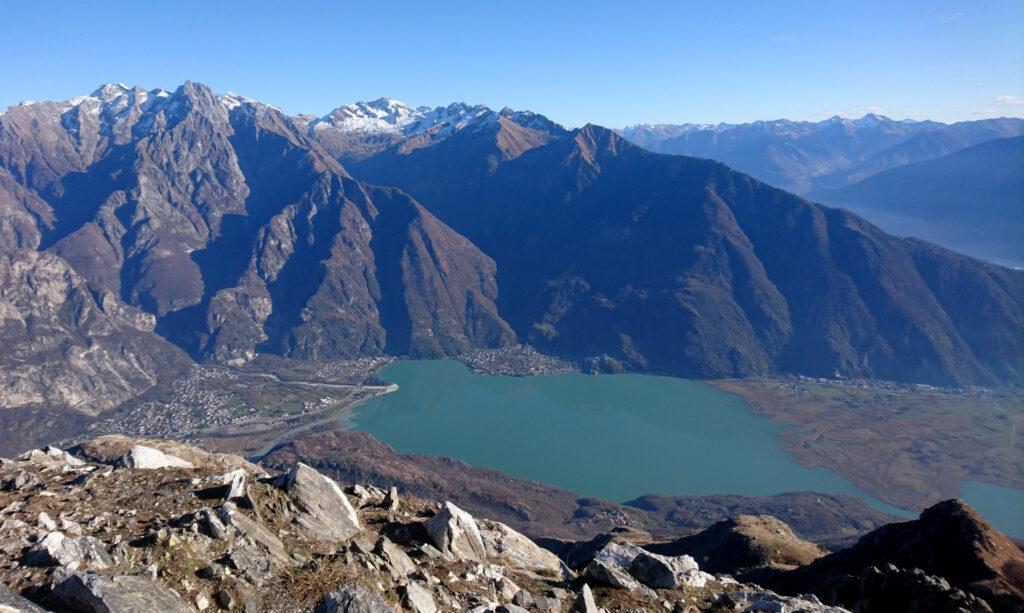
column 390, row 116
column 232, row 101
column 381, row 115
column 870, row 119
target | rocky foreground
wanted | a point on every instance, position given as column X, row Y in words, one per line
column 118, row 525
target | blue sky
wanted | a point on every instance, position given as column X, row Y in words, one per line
column 611, row 63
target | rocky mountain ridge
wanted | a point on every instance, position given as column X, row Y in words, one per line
column 242, row 230
column 218, row 217
column 719, row 260
column 118, row 523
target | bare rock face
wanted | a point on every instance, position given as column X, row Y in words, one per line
column 223, row 220
column 115, row 594
column 324, row 511
column 64, row 349
column 454, row 531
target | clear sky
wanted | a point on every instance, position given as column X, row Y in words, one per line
column 611, row 63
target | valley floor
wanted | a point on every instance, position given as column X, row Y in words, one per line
column 909, row 445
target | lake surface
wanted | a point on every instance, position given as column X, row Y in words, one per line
column 611, row 436
column 1002, row 506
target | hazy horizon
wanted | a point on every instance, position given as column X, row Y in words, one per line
column 576, row 63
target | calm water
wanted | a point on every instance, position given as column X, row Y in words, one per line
column 611, row 436
column 1002, row 506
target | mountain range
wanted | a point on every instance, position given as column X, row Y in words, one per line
column 804, row 157
column 971, row 200
column 862, row 164
column 225, row 227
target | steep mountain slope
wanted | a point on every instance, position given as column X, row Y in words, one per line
column 794, row 155
column 219, row 216
column 932, row 144
column 237, row 227
column 65, row 348
column 971, row 200
column 680, row 265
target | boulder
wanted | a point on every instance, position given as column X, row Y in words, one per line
column 454, row 531
column 46, row 522
column 667, row 572
column 417, row 599
column 59, row 455
column 324, row 511
column 519, row 551
column 149, row 458
column 390, row 501
column 235, row 484
column 361, row 494
column 21, row 480
column 352, row 599
column 609, row 567
column 251, row 563
column 92, row 593
column 12, row 603
column 399, row 563
column 254, row 532
column 78, row 552
column 584, row 602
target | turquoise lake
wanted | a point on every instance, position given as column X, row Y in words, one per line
column 611, row 436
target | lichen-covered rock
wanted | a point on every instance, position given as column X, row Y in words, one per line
column 454, row 531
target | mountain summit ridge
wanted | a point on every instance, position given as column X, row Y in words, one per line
column 245, row 230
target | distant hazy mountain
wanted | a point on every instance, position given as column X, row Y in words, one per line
column 933, row 144
column 805, row 156
column 971, row 200
column 239, row 229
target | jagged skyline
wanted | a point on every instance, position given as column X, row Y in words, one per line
column 615, row 66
